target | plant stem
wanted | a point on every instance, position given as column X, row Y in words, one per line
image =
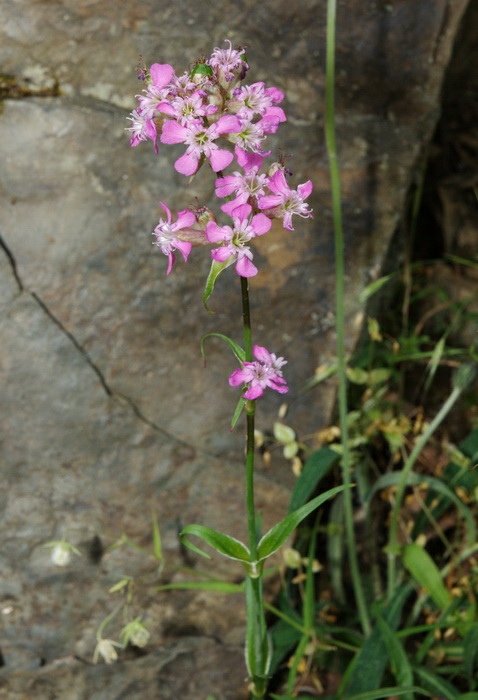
column 339, row 275
column 246, row 318
column 257, row 647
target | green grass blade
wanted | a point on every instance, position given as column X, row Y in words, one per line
column 399, row 662
column 369, row 664
column 425, row 572
column 436, row 685
column 470, row 657
column 388, row 692
column 157, row 546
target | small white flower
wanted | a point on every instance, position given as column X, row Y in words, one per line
column 106, row 649
column 61, row 552
column 61, row 555
column 135, row 633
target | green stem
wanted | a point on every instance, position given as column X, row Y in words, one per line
column 257, row 646
column 246, row 318
column 250, row 505
column 393, row 547
column 339, row 274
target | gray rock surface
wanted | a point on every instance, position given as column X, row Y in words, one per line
column 107, row 410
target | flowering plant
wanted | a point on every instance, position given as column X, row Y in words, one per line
column 223, row 123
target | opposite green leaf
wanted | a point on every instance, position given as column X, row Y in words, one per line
column 228, row 546
column 277, row 535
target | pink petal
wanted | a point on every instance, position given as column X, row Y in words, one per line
column 221, row 254
column 167, row 210
column 230, row 207
column 278, row 183
column 262, row 354
column 187, row 164
column 228, row 124
column 185, row 218
column 274, row 384
column 171, row 259
column 216, row 234
column 173, row 132
column 242, row 212
column 226, row 185
column 165, row 108
column 261, row 224
column 220, row 159
column 254, row 392
column 161, row 74
column 184, row 247
column 305, row 189
column 239, row 376
column 248, row 160
column 269, row 201
column 245, row 268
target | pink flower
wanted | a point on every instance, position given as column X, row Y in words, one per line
column 200, row 141
column 167, row 235
column 143, row 125
column 228, row 64
column 142, row 128
column 247, row 187
column 188, row 109
column 235, row 238
column 265, row 373
column 284, row 202
column 250, row 100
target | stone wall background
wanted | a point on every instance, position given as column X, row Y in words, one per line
column 106, row 409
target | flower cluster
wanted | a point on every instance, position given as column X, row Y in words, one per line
column 206, row 109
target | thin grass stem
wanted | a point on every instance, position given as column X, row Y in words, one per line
column 339, row 275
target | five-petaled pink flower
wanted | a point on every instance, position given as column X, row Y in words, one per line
column 284, row 202
column 265, row 372
column 166, row 234
column 200, row 141
column 235, row 238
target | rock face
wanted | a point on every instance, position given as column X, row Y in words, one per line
column 107, row 410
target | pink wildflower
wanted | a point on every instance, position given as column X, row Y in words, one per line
column 247, row 187
column 234, row 239
column 250, row 100
column 265, row 372
column 167, row 238
column 200, row 142
column 143, row 124
column 228, row 64
column 284, row 202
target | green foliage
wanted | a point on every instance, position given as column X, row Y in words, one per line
column 424, row 631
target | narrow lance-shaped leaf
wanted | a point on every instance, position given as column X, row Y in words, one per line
column 278, row 534
column 237, row 412
column 224, row 544
column 424, row 570
column 236, row 349
column 214, row 272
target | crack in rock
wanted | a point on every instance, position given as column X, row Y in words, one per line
column 107, row 389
